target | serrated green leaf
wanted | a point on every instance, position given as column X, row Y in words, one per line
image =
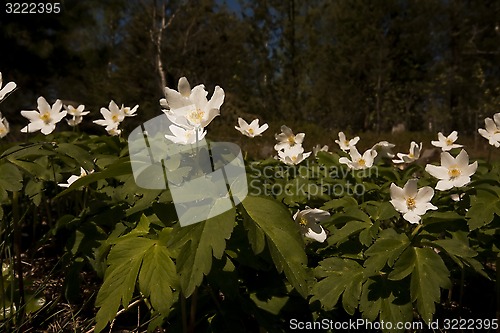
column 386, row 250
column 428, row 275
column 388, row 300
column 201, row 241
column 124, row 261
column 340, row 277
column 283, row 239
column 158, row 278
column 483, row 208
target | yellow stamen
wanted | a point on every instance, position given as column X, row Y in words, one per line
column 454, row 172
column 361, row 162
column 303, row 221
column 291, row 140
column 251, row 131
column 294, row 159
column 45, row 117
column 410, row 203
column 196, row 116
column 449, row 142
column 115, row 118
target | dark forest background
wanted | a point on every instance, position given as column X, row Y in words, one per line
column 355, row 65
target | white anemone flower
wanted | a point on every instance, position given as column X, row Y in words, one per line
column 189, row 108
column 286, row 139
column 45, row 119
column 77, row 114
column 4, row 126
column 308, row 221
column 74, row 121
column 293, row 155
column 358, row 161
column 411, row 201
column 74, row 178
column 318, row 148
column 251, row 130
column 384, row 149
column 185, row 136
column 453, row 172
column 412, row 156
column 114, row 131
column 112, row 117
column 128, row 112
column 346, row 144
column 7, row 89
column 447, row 143
column 492, row 131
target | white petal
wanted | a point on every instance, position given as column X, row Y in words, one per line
column 261, row 129
column 320, row 237
column 48, row 128
column 299, row 138
column 217, row 99
column 470, row 169
column 184, row 87
column 444, row 185
column 31, row 115
column 199, row 97
column 43, row 106
column 410, row 188
column 412, row 217
column 438, row 172
column 462, row 159
column 496, row 118
column 447, row 160
column 490, row 125
column 400, row 205
column 424, row 195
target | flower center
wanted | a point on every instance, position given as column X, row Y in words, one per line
column 410, row 203
column 449, row 142
column 291, row 140
column 361, row 162
column 251, row 131
column 346, row 142
column 196, row 116
column 303, row 221
column 411, row 155
column 294, row 158
column 454, row 172
column 115, row 118
column 46, row 117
